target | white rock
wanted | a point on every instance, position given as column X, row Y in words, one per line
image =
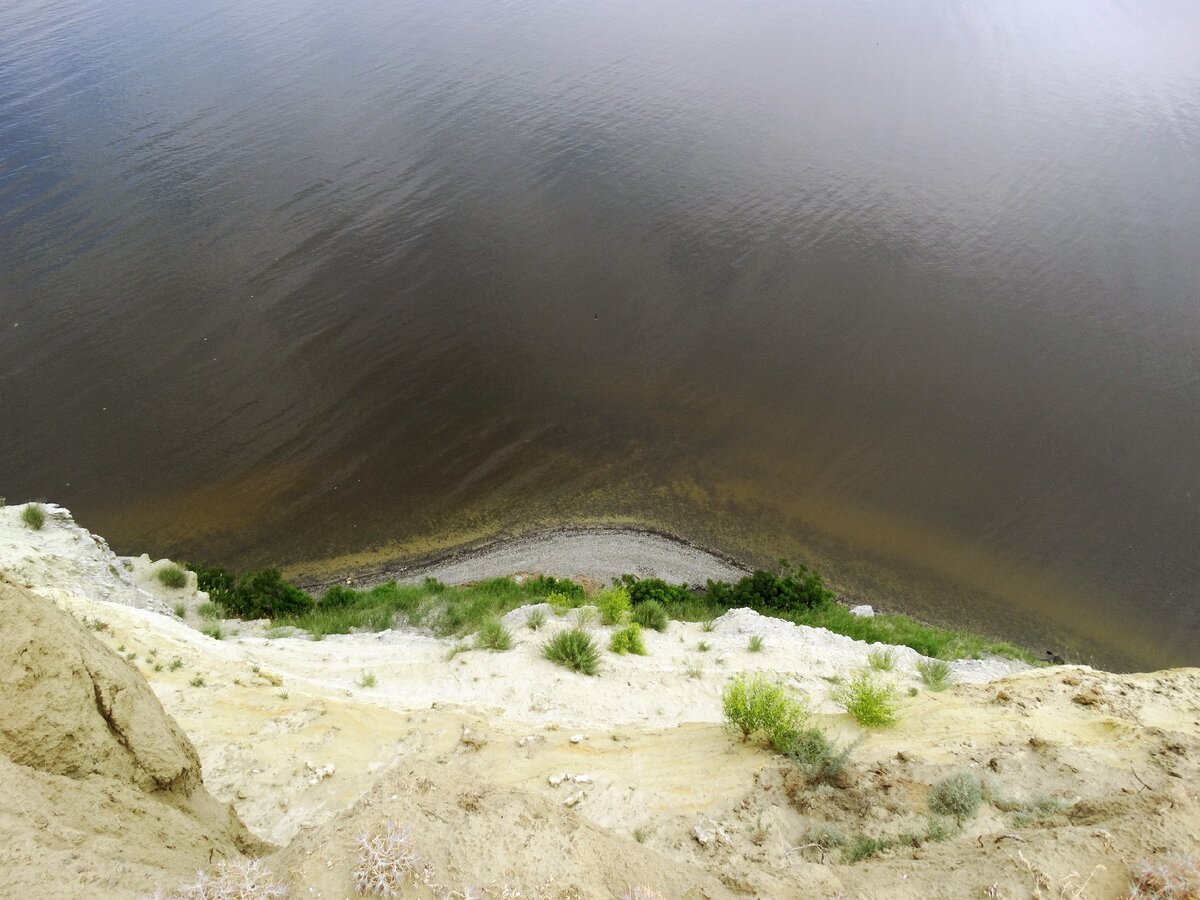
column 556, row 780
column 707, row 831
column 573, row 799
column 583, row 779
column 578, row 738
column 864, row 611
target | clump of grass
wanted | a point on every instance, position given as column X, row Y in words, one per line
column 208, row 610
column 755, row 643
column 176, row 663
column 817, row 757
column 871, row 702
column 956, row 795
column 213, row 631
column 282, row 695
column 1033, row 811
column 197, row 680
column 882, row 659
column 367, row 680
column 1174, row 876
column 704, row 646
column 34, row 516
column 171, row 576
column 628, row 640
column 864, row 846
column 587, row 616
column 826, row 836
column 180, row 610
column 614, row 605
column 459, row 647
column 97, row 625
column 560, row 603
column 574, row 649
column 492, row 635
column 158, row 667
column 651, row 614
column 935, row 673
column 131, row 656
column 754, row 705
column 535, row 620
column 708, row 625
column 694, row 668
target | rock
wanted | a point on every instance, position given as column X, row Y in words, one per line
column 573, row 799
column 865, row 611
column 319, row 774
column 578, row 738
column 556, row 780
column 583, row 779
column 708, row 831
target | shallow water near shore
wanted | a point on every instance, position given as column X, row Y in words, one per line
column 909, row 293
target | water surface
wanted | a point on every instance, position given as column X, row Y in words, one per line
column 909, row 290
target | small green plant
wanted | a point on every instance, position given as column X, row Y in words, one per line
column 152, row 654
column 755, row 644
column 213, row 631
column 755, row 705
column 825, row 836
column 651, row 614
column 871, row 702
column 587, row 616
column 708, row 625
column 367, row 679
column 96, row 625
column 819, row 759
column 34, row 516
column 935, row 673
column 1033, row 811
column 256, row 669
column 614, row 605
column 864, row 847
column 492, row 635
column 171, row 576
column 457, row 648
column 158, row 667
column 628, row 640
column 208, row 610
column 131, row 656
column 180, row 610
column 197, row 680
column 282, row 695
column 573, row 649
column 535, row 620
column 560, row 604
column 640, row 834
column 704, row 646
column 694, row 668
column 121, row 648
column 956, row 795
column 882, row 660
column 176, row 663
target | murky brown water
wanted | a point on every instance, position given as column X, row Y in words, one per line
column 909, row 289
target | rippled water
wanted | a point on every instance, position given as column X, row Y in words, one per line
column 911, row 290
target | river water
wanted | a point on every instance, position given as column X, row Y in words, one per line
column 908, row 290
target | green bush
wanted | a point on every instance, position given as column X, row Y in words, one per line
column 492, row 635
column 800, row 590
column 338, row 596
column 651, row 614
column 574, row 649
column 265, row 595
column 628, row 640
column 871, row 702
column 560, row 603
column 218, row 583
column 754, row 705
column 34, row 516
column 883, row 660
column 171, row 576
column 209, row 610
column 818, row 758
column 545, row 585
column 935, row 673
column 956, row 795
column 614, row 605
column 645, row 590
column 535, row 619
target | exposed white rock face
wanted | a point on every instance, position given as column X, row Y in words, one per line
column 64, row 558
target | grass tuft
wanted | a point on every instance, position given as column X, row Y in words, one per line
column 628, row 640
column 367, row 679
column 34, row 516
column 171, row 576
column 535, row 620
column 755, row 644
column 574, row 649
column 492, row 635
column 651, row 614
column 956, row 795
column 882, row 659
column 197, row 680
column 935, row 673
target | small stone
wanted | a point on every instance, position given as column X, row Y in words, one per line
column 578, row 738
column 573, row 799
column 583, row 779
column 865, row 611
column 556, row 780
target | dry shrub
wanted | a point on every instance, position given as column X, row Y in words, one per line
column 1172, row 877
column 386, row 862
column 241, row 880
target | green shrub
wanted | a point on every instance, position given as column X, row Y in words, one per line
column 754, row 705
column 799, row 590
column 755, row 643
column 545, row 585
column 180, row 610
column 176, row 663
column 628, row 640
column 492, row 635
column 171, row 576
column 704, row 646
column 646, row 590
column 956, row 795
column 265, row 595
column 213, row 631
column 827, row 836
column 218, row 583
column 586, row 616
column 34, row 516
column 367, row 680
column 574, row 649
column 535, row 620
column 707, row 625
column 935, row 673
column 614, row 605
column 197, row 681
column 871, row 702
column 818, row 758
column 651, row 614
column 882, row 659
column 338, row 596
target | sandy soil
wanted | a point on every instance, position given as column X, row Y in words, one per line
column 469, row 753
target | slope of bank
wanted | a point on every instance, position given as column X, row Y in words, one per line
column 511, row 772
